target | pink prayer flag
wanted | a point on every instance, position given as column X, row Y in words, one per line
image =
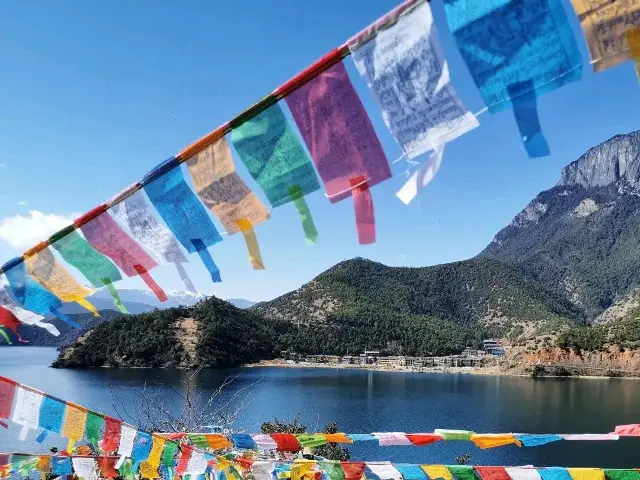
column 338, row 133
column 106, row 236
column 632, row 430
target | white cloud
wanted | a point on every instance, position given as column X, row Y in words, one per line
column 21, row 203
column 24, row 231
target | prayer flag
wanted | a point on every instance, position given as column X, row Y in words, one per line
column 590, row 436
column 95, row 267
column 632, row 430
column 10, row 322
column 604, row 24
column 333, row 470
column 435, row 472
column 411, row 472
column 353, row 470
column 454, row 434
column 265, row 442
column 262, row 470
column 461, row 472
column 492, row 440
column 423, row 438
column 384, row 471
column 26, row 317
column 107, row 237
column 61, row 466
column 51, row 415
column 529, row 440
column 94, row 425
column 44, row 268
column 7, row 392
column 586, row 473
column 26, row 410
column 492, row 473
column 141, row 449
column 136, row 215
column 33, row 296
column 222, row 190
column 184, row 215
column 286, row 442
column 276, row 159
column 125, row 449
column 404, row 67
column 85, row 468
column 243, row 441
column 337, row 438
column 311, row 440
column 554, row 473
column 392, row 438
column 621, row 474
column 517, row 473
column 112, row 433
column 342, row 142
column 421, row 177
column 516, row 50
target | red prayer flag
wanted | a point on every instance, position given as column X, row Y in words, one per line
column 353, row 470
column 492, row 473
column 107, row 467
column 423, row 438
column 185, row 456
column 111, row 438
column 9, row 320
column 286, row 442
column 7, row 390
column 107, row 237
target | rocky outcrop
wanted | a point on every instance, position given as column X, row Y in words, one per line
column 614, row 161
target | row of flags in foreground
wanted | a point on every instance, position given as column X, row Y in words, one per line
column 144, row 451
column 232, row 467
column 515, row 50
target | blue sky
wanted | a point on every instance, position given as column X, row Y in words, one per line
column 94, row 94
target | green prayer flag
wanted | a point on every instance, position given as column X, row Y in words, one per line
column 274, row 155
column 199, row 441
column 300, row 203
column 309, row 441
column 168, row 453
column 462, row 472
column 93, row 428
column 455, row 434
column 333, row 470
column 93, row 265
column 5, row 336
column 621, row 474
column 116, row 298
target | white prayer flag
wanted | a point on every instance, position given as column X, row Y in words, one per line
column 85, row 468
column 197, row 464
column 404, row 67
column 519, row 473
column 26, row 410
column 385, row 471
column 421, row 177
column 127, row 437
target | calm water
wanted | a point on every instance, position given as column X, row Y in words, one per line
column 364, row 402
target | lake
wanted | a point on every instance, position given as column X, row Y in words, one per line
column 365, row 402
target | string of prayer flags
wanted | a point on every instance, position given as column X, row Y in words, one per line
column 107, row 237
column 31, row 295
column 421, row 177
column 136, row 215
column 183, row 213
column 342, row 142
column 276, row 159
column 96, row 268
column 404, row 67
column 222, row 190
column 604, row 24
column 44, row 268
column 26, row 410
column 515, row 51
column 633, row 41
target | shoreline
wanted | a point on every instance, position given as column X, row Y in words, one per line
column 493, row 370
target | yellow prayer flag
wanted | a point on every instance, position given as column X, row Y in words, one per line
column 437, row 471
column 586, row 473
column 156, row 452
column 148, row 471
column 44, row 268
column 633, row 40
column 604, row 23
column 491, row 440
column 302, row 469
column 75, row 418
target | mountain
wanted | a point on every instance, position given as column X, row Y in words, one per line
column 241, row 302
column 581, row 237
column 439, row 309
column 213, row 333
